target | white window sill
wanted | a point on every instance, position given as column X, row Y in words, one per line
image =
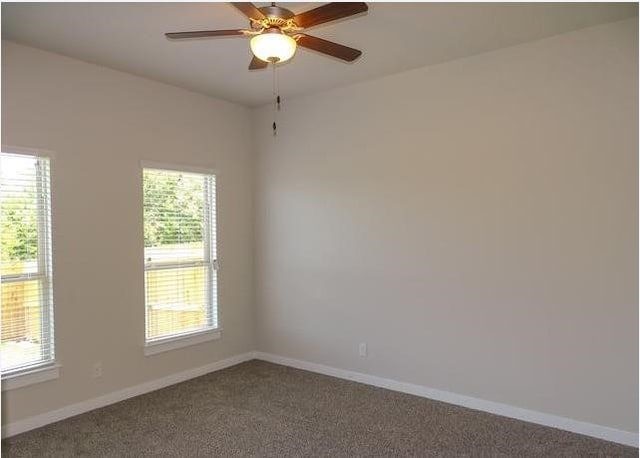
column 30, row 377
column 173, row 343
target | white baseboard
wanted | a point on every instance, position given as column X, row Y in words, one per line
column 567, row 424
column 37, row 421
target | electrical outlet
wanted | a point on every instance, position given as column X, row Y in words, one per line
column 363, row 350
column 97, row 370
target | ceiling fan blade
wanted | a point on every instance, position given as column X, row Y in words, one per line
column 257, row 64
column 204, row 34
column 329, row 12
column 328, row 47
column 249, row 10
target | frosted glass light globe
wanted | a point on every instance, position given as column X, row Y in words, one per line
column 273, row 46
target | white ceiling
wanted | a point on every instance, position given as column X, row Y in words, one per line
column 393, row 37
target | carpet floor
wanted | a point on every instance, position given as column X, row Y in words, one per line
column 262, row 409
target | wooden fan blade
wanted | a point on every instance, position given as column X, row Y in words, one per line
column 204, row 34
column 329, row 12
column 328, row 47
column 249, row 10
column 257, row 64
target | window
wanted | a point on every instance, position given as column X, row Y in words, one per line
column 25, row 274
column 179, row 253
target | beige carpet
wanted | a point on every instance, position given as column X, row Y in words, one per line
column 262, row 409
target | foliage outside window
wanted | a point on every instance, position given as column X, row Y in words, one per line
column 179, row 253
column 25, row 253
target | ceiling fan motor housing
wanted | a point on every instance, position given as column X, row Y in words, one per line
column 275, row 16
column 276, row 12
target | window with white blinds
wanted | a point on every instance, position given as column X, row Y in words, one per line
column 179, row 253
column 25, row 276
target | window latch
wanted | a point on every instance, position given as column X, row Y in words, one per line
column 216, row 266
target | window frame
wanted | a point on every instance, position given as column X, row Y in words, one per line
column 212, row 260
column 48, row 368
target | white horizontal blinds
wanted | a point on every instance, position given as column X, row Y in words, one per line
column 179, row 253
column 26, row 338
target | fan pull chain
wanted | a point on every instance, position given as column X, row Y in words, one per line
column 275, row 109
column 277, row 90
column 276, row 98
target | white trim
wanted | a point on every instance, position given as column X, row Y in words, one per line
column 37, row 421
column 181, row 341
column 26, row 151
column 187, row 168
column 554, row 421
column 48, row 369
column 155, row 266
column 209, row 175
column 30, row 376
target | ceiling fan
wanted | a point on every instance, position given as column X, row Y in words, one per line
column 276, row 32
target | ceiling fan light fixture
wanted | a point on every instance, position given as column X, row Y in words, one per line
column 273, row 46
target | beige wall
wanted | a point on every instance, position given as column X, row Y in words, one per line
column 474, row 222
column 100, row 124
